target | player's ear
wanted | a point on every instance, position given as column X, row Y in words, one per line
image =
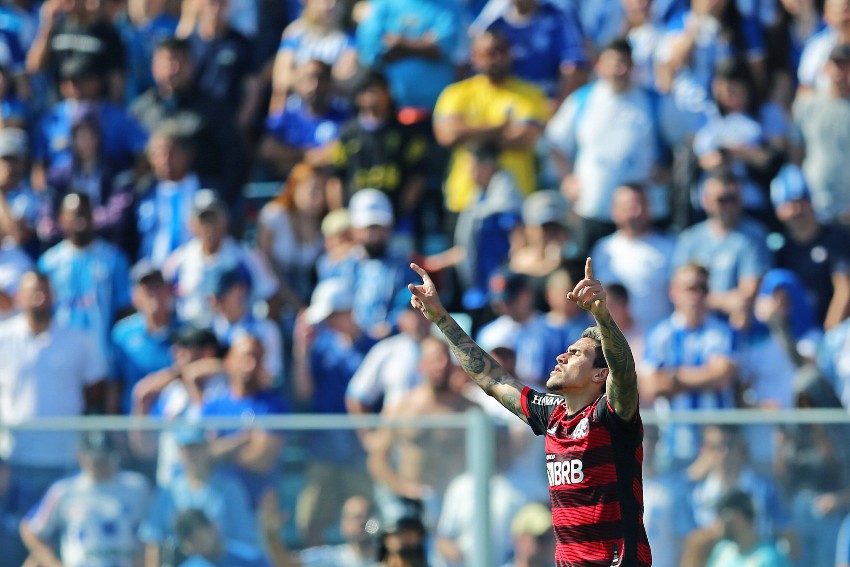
column 601, row 375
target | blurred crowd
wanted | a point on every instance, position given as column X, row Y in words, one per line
column 209, row 207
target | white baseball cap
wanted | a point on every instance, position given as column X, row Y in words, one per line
column 370, row 207
column 330, row 296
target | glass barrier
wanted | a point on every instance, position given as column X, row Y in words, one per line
column 334, row 490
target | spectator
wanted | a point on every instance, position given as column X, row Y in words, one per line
column 637, row 256
column 541, row 244
column 23, row 209
column 251, row 454
column 595, row 150
column 644, row 33
column 14, row 263
column 811, row 468
column 375, row 150
column 175, row 393
column 532, row 537
column 688, row 362
column 341, row 254
column 143, row 25
column 356, row 526
column 390, row 369
column 123, row 138
column 563, row 318
column 201, row 487
column 823, row 121
column 547, row 44
column 426, row 460
column 307, row 125
column 833, row 359
column 226, row 64
column 203, row 546
column 378, row 291
column 403, row 543
column 741, row 544
column 518, row 325
column 747, row 137
column 290, row 234
column 47, row 370
column 825, row 273
column 219, row 152
column 812, row 74
column 92, row 514
column 233, row 315
column 14, row 111
column 723, row 465
column 408, row 40
column 492, row 106
column 90, row 277
column 164, row 203
column 74, row 28
column 730, row 245
column 311, row 36
column 698, row 40
column 141, row 343
column 328, row 348
column 14, row 551
column 195, row 266
column 455, row 530
column 90, row 171
column 483, row 229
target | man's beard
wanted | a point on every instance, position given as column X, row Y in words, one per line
column 375, row 249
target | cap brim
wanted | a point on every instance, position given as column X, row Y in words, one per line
column 364, row 220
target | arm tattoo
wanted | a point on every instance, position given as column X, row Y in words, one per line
column 622, row 377
column 481, row 367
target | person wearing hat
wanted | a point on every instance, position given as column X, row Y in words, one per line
column 201, row 486
column 141, row 342
column 328, row 349
column 378, row 288
column 195, row 266
column 234, row 316
column 824, row 120
column 532, row 536
column 91, row 277
column 375, row 150
column 541, row 242
column 816, row 252
column 23, row 209
column 93, row 513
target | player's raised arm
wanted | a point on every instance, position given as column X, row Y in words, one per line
column 621, row 385
column 477, row 363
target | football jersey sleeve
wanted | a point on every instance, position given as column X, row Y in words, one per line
column 538, row 408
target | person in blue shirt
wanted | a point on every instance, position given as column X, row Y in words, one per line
column 547, row 44
column 141, row 342
column 90, row 277
column 123, row 138
column 409, row 40
column 252, row 454
column 24, row 210
column 142, row 27
column 329, row 348
column 201, row 486
column 309, row 122
column 200, row 541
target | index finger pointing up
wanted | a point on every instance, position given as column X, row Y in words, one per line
column 588, row 269
column 426, row 279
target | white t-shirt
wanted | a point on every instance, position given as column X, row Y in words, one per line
column 643, row 266
column 286, row 249
column 95, row 522
column 44, row 376
column 389, row 371
column 612, row 139
column 810, row 72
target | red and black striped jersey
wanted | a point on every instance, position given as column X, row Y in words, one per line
column 594, row 465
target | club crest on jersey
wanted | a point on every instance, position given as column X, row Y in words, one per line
column 581, row 429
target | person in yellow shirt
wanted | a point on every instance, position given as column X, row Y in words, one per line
column 491, row 106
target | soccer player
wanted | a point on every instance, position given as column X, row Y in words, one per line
column 591, row 422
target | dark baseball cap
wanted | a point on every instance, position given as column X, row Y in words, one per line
column 78, row 67
column 225, row 281
column 195, row 337
column 207, row 203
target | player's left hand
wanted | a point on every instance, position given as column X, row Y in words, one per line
column 589, row 293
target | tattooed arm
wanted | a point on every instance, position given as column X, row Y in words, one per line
column 621, row 385
column 477, row 363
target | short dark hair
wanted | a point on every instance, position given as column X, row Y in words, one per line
column 595, row 334
column 369, row 79
column 175, row 45
column 722, row 174
column 618, row 290
column 737, row 501
column 188, row 521
column 621, row 45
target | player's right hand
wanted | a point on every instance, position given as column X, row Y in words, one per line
column 424, row 297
